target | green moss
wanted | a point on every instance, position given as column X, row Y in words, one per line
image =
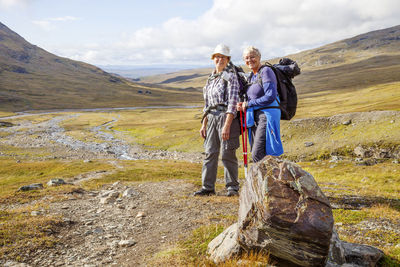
column 16, row 174
column 387, row 261
column 197, row 244
column 154, row 170
column 175, row 129
column 21, row 232
column 380, row 236
column 349, row 216
column 21, row 152
column 4, row 134
column 380, row 180
column 191, row 251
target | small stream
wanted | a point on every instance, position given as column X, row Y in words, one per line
column 51, row 131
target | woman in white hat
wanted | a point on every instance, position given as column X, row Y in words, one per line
column 220, row 128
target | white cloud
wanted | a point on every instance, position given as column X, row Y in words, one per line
column 65, row 18
column 49, row 24
column 13, row 3
column 44, row 24
column 276, row 27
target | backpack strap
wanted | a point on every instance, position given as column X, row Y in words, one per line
column 259, row 80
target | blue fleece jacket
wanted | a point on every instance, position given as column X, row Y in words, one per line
column 261, row 96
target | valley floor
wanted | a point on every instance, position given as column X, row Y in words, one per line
column 133, row 206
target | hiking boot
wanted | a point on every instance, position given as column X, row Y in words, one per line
column 232, row 193
column 204, row 192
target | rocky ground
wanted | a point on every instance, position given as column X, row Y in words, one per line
column 122, row 224
column 126, row 225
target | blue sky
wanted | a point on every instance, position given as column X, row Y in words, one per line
column 123, row 32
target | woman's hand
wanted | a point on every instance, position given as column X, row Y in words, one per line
column 203, row 132
column 226, row 130
column 203, row 129
column 241, row 106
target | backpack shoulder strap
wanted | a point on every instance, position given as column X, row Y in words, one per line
column 259, row 80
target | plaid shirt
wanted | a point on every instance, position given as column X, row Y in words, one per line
column 215, row 93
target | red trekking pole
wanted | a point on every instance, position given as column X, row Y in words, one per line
column 244, row 141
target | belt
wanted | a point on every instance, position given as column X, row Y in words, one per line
column 219, row 107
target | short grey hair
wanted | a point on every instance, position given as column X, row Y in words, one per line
column 251, row 49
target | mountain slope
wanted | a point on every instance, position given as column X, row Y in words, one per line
column 32, row 78
column 358, row 48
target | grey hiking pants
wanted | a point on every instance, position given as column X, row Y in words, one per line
column 258, row 136
column 213, row 144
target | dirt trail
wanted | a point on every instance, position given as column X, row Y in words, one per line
column 129, row 230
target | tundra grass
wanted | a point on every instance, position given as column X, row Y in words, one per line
column 21, row 232
column 5, row 134
column 378, row 181
column 328, row 103
column 178, row 129
column 24, row 153
column 6, row 114
column 34, row 119
column 15, row 174
column 375, row 188
column 168, row 129
column 149, row 171
column 193, row 251
column 81, row 127
column 330, row 135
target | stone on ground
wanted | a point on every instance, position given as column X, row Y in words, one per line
column 225, row 245
column 283, row 211
column 31, row 187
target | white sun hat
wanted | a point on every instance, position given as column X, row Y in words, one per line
column 221, row 49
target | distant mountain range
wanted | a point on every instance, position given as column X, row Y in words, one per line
column 32, row 78
column 364, row 60
column 135, row 72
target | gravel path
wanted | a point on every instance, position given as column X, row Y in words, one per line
column 126, row 225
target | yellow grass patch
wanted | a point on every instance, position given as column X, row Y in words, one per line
column 14, row 174
column 380, row 180
column 328, row 103
column 149, row 170
column 20, row 231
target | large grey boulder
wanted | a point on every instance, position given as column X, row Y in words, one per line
column 283, row 211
